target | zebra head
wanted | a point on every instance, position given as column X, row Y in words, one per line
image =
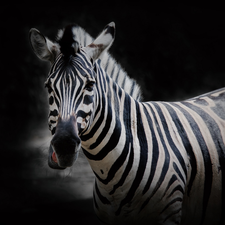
column 71, row 87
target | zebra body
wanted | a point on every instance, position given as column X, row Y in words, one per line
column 154, row 162
column 175, row 152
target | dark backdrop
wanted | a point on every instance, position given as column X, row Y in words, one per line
column 173, row 53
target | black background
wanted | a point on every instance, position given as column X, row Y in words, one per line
column 173, row 52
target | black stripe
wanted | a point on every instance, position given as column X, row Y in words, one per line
column 172, row 180
column 115, row 167
column 139, row 97
column 101, row 106
column 178, row 199
column 51, row 100
column 206, row 158
column 112, row 143
column 101, row 76
column 53, row 113
column 59, row 75
column 112, row 71
column 177, row 188
column 183, row 135
column 96, row 107
column 126, row 171
column 126, row 117
column 119, row 92
column 87, row 99
column 121, row 159
column 104, row 131
column 117, row 97
column 155, row 151
column 54, row 66
column 178, row 172
column 72, row 90
column 142, row 163
column 117, row 76
column 165, row 163
column 107, row 63
column 123, row 84
column 114, row 139
column 85, row 59
column 132, row 88
column 170, row 140
column 78, row 91
column 220, row 147
column 53, row 130
column 107, row 120
column 102, row 198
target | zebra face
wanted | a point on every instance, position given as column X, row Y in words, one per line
column 71, row 87
column 71, row 91
column 71, row 100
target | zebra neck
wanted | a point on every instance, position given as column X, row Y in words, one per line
column 108, row 143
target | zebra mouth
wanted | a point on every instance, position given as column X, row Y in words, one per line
column 61, row 162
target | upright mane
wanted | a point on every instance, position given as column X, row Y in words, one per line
column 67, row 40
column 73, row 36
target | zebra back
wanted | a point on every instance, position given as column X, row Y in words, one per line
column 109, row 64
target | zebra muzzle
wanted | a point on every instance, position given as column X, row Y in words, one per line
column 65, row 145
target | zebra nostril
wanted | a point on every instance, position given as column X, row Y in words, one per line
column 65, row 141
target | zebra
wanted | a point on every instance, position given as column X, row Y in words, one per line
column 108, row 63
column 155, row 162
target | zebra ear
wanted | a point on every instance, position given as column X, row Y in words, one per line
column 42, row 47
column 102, row 42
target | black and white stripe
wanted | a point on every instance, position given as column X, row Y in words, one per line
column 108, row 63
column 163, row 162
column 154, row 162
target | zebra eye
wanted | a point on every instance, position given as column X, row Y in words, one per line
column 89, row 86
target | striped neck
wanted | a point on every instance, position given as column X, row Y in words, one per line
column 107, row 142
column 116, row 150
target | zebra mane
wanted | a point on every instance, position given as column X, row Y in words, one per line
column 67, row 40
column 74, row 37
